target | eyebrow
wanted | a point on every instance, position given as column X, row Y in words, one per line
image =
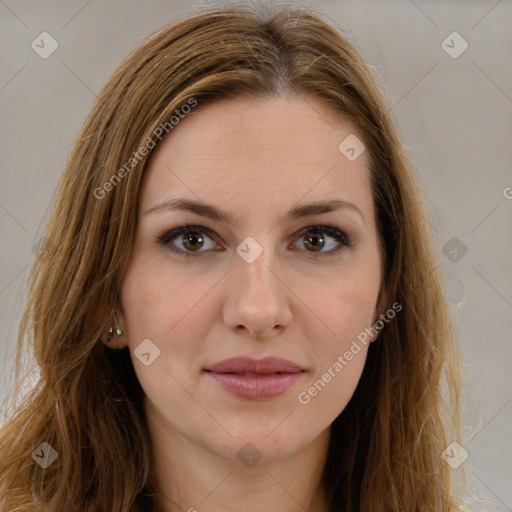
column 215, row 213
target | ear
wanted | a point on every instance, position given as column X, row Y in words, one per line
column 380, row 307
column 118, row 341
column 382, row 301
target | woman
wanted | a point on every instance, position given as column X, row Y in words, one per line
column 237, row 305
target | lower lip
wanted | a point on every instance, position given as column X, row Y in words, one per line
column 256, row 387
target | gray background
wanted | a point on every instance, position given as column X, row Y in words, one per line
column 455, row 115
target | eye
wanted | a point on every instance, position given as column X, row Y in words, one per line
column 192, row 240
column 316, row 238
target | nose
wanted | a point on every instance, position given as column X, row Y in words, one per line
column 258, row 297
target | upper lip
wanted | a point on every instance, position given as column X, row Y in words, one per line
column 266, row 365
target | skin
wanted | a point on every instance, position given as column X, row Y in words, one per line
column 254, row 159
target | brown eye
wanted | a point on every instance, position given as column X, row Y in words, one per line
column 195, row 240
column 192, row 240
column 317, row 238
column 314, row 241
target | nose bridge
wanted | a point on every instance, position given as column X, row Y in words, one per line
column 254, row 266
column 256, row 298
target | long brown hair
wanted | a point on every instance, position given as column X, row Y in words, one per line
column 87, row 403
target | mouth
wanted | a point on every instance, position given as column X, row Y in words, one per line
column 248, row 365
column 245, row 374
column 253, row 379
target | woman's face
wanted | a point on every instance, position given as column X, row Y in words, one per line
column 251, row 282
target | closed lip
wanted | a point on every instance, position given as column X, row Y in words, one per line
column 249, row 365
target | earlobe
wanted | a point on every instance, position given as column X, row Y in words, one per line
column 380, row 309
column 382, row 300
column 114, row 336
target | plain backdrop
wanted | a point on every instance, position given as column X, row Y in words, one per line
column 454, row 108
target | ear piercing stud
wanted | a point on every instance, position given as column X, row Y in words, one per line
column 110, row 333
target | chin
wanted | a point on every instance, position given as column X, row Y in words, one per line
column 257, row 446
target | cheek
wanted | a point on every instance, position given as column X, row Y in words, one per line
column 144, row 299
column 346, row 315
column 156, row 299
column 168, row 307
column 344, row 306
column 161, row 306
column 339, row 355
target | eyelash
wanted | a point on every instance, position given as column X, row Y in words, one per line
column 171, row 233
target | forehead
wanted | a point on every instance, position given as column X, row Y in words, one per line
column 265, row 151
